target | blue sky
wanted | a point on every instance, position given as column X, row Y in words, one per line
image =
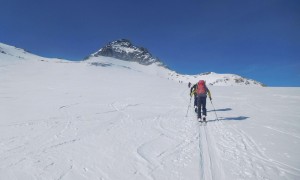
column 258, row 39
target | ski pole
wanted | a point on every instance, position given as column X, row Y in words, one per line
column 188, row 107
column 214, row 110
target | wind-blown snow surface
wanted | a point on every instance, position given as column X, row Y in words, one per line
column 75, row 121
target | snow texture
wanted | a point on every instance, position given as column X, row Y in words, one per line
column 114, row 120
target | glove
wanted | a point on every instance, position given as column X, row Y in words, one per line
column 210, row 98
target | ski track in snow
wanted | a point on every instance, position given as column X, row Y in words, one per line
column 210, row 166
column 157, row 161
column 237, row 148
column 284, row 132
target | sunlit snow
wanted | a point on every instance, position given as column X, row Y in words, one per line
column 114, row 120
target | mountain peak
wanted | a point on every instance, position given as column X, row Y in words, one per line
column 122, row 42
column 123, row 49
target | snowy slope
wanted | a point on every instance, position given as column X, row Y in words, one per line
column 94, row 120
column 123, row 49
column 156, row 69
column 216, row 79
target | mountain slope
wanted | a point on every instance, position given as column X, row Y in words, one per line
column 124, row 50
column 142, row 61
column 78, row 120
column 215, row 79
column 10, row 54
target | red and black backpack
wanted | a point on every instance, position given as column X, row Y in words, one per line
column 201, row 87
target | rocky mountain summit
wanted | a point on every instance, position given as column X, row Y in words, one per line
column 123, row 49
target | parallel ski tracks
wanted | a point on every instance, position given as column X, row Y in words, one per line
column 205, row 161
column 210, row 163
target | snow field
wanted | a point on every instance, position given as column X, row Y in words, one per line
column 67, row 120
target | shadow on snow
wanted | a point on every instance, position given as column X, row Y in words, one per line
column 225, row 109
column 239, row 118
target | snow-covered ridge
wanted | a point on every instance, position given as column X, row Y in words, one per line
column 142, row 61
column 216, row 79
column 13, row 51
column 211, row 78
column 12, row 54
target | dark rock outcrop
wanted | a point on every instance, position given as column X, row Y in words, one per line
column 123, row 49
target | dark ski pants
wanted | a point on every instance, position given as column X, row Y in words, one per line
column 201, row 103
column 195, row 101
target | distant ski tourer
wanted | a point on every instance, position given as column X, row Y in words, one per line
column 193, row 93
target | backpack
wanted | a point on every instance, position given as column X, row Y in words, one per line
column 201, row 87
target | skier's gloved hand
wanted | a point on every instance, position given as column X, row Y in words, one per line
column 210, row 98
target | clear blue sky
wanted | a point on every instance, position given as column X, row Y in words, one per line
column 258, row 39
